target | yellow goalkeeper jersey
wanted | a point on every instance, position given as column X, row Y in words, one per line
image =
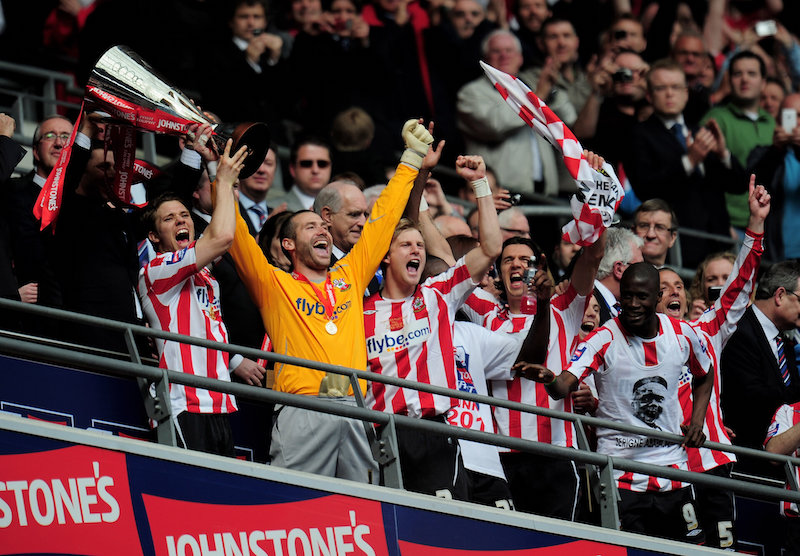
column 293, row 315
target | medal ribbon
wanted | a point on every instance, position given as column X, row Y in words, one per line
column 328, row 301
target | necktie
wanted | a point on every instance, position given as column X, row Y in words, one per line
column 782, row 364
column 262, row 215
column 677, row 131
column 617, row 309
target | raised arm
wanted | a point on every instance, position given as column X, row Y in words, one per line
column 589, row 260
column 473, row 169
column 218, row 236
column 534, row 348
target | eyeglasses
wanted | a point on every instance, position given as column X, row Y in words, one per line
column 51, row 136
column 695, row 53
column 797, row 295
column 309, row 163
column 659, row 228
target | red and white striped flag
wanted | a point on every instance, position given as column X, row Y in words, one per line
column 599, row 192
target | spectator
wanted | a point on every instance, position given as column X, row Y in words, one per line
column 744, row 124
column 758, row 378
column 655, row 222
column 627, row 33
column 772, row 97
column 715, row 508
column 529, row 15
column 179, row 295
column 561, row 72
column 344, row 208
column 34, row 270
column 623, row 248
column 618, row 102
column 352, row 133
column 713, row 272
column 251, row 65
column 253, row 192
column 331, row 65
column 310, row 168
column 303, row 321
column 691, row 170
column 637, row 361
column 407, row 309
column 522, row 159
column 450, row 226
column 513, row 223
column 690, row 52
column 778, row 164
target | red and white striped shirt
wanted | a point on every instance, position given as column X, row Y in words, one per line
column 412, row 338
column 566, row 315
column 716, row 326
column 637, row 383
column 785, row 418
column 177, row 297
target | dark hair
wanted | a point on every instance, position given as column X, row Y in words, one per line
column 271, row 229
column 307, row 140
column 148, row 218
column 649, row 379
column 289, row 230
column 747, row 55
column 668, row 64
column 236, row 4
column 553, row 20
column 537, row 252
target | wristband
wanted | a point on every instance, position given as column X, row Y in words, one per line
column 481, row 188
column 423, row 204
column 555, row 377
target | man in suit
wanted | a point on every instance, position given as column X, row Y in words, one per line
column 521, row 158
column 35, row 278
column 759, row 372
column 253, row 193
column 691, row 170
column 623, row 248
column 310, row 167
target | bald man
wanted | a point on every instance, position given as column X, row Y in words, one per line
column 343, row 206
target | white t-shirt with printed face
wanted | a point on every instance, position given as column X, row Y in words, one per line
column 637, row 383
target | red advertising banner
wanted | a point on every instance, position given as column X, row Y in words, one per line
column 328, row 525
column 575, row 548
column 74, row 500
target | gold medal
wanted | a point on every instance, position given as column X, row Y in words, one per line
column 330, row 328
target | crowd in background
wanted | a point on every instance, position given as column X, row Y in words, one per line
column 685, row 99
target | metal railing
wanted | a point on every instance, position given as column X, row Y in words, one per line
column 384, row 450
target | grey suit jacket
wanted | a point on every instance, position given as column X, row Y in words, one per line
column 493, row 130
column 292, row 202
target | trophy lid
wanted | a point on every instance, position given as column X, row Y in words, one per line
column 257, row 137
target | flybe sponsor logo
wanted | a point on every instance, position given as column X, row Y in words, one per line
column 328, row 525
column 309, row 308
column 414, row 333
column 77, row 497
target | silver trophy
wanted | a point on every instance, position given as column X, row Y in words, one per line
column 132, row 93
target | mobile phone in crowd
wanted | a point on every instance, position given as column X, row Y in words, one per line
column 788, row 119
column 714, row 292
column 766, row 28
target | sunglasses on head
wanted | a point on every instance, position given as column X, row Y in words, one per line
column 310, row 163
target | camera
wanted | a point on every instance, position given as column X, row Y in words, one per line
column 714, row 292
column 620, row 34
column 622, row 75
column 257, row 32
column 515, row 199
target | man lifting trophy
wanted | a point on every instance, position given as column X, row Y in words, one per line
column 130, row 96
